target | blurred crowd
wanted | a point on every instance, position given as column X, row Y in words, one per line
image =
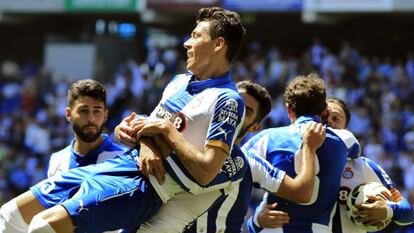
column 378, row 90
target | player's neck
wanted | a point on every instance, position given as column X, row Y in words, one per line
column 83, row 148
column 215, row 69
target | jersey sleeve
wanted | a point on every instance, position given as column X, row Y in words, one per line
column 51, row 167
column 264, row 174
column 352, row 144
column 227, row 118
column 373, row 172
column 257, row 146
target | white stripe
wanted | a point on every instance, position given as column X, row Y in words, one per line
column 226, row 207
column 193, row 187
column 107, row 155
column 319, row 228
column 346, row 136
column 202, row 223
column 332, row 215
column 183, row 178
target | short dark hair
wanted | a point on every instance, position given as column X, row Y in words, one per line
column 306, row 95
column 342, row 104
column 260, row 94
column 226, row 24
column 86, row 87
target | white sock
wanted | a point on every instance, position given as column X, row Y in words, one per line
column 11, row 221
column 39, row 225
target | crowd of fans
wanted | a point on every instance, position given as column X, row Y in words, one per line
column 378, row 90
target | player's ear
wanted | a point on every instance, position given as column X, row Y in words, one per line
column 291, row 114
column 325, row 115
column 106, row 114
column 68, row 114
column 220, row 42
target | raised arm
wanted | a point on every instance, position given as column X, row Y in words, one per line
column 300, row 188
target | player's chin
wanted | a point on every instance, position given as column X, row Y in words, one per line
column 90, row 137
column 189, row 66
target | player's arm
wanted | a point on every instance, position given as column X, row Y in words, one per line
column 203, row 166
column 399, row 210
column 300, row 188
column 272, row 179
column 150, row 153
column 402, row 212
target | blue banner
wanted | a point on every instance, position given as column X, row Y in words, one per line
column 263, row 5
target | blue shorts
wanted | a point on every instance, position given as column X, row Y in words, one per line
column 102, row 197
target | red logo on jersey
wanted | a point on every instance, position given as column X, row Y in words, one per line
column 348, row 173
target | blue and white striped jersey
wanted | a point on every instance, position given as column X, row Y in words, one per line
column 184, row 208
column 67, row 158
column 207, row 112
column 360, row 171
column 280, row 146
column 227, row 216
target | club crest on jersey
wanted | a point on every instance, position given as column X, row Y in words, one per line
column 348, row 173
column 231, row 105
column 232, row 165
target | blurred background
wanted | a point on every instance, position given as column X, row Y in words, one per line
column 363, row 49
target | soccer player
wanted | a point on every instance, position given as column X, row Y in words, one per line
column 358, row 171
column 305, row 98
column 227, row 214
column 87, row 114
column 200, row 113
column 363, row 170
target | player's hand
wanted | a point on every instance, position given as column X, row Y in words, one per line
column 269, row 217
column 314, row 135
column 151, row 160
column 124, row 133
column 372, row 213
column 152, row 128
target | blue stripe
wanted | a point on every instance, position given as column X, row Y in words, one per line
column 92, row 157
column 176, row 102
column 195, row 87
column 225, row 175
column 382, row 176
column 175, row 176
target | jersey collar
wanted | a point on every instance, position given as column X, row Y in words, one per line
column 195, row 87
column 94, row 153
column 305, row 118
